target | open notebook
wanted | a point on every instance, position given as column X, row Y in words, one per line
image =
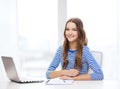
column 58, row 81
column 12, row 74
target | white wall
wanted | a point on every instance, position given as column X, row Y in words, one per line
column 118, row 25
column 8, row 32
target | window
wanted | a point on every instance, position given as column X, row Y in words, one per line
column 37, row 32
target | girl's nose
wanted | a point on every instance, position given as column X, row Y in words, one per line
column 70, row 32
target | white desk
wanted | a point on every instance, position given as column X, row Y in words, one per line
column 105, row 84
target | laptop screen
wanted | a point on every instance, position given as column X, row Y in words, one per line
column 10, row 68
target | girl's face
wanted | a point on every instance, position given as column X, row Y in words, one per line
column 71, row 32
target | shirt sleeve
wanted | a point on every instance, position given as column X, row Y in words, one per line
column 55, row 62
column 97, row 72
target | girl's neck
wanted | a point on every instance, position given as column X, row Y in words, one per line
column 73, row 46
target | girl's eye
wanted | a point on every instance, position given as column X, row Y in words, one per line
column 67, row 29
column 74, row 29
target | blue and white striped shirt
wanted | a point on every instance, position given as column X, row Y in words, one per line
column 87, row 61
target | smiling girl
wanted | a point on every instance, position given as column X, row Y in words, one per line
column 74, row 56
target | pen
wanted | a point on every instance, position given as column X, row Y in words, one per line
column 47, row 81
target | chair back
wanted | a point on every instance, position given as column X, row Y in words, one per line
column 98, row 55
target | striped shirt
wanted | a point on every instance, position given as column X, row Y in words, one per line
column 87, row 61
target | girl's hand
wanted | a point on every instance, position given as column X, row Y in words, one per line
column 71, row 72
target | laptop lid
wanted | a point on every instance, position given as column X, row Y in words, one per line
column 11, row 71
column 10, row 68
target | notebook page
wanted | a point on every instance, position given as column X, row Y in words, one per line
column 58, row 81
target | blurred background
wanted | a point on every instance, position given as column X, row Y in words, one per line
column 32, row 30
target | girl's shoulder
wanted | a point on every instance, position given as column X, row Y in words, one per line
column 59, row 48
column 86, row 49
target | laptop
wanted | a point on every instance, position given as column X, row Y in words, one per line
column 12, row 74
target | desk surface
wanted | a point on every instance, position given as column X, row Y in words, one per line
column 105, row 84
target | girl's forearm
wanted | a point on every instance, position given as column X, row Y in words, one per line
column 59, row 73
column 82, row 77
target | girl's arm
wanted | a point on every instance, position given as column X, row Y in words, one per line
column 97, row 71
column 82, row 77
column 79, row 77
column 60, row 73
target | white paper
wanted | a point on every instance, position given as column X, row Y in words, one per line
column 58, row 81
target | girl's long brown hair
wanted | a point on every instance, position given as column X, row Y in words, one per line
column 81, row 41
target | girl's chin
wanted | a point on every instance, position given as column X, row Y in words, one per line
column 71, row 40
